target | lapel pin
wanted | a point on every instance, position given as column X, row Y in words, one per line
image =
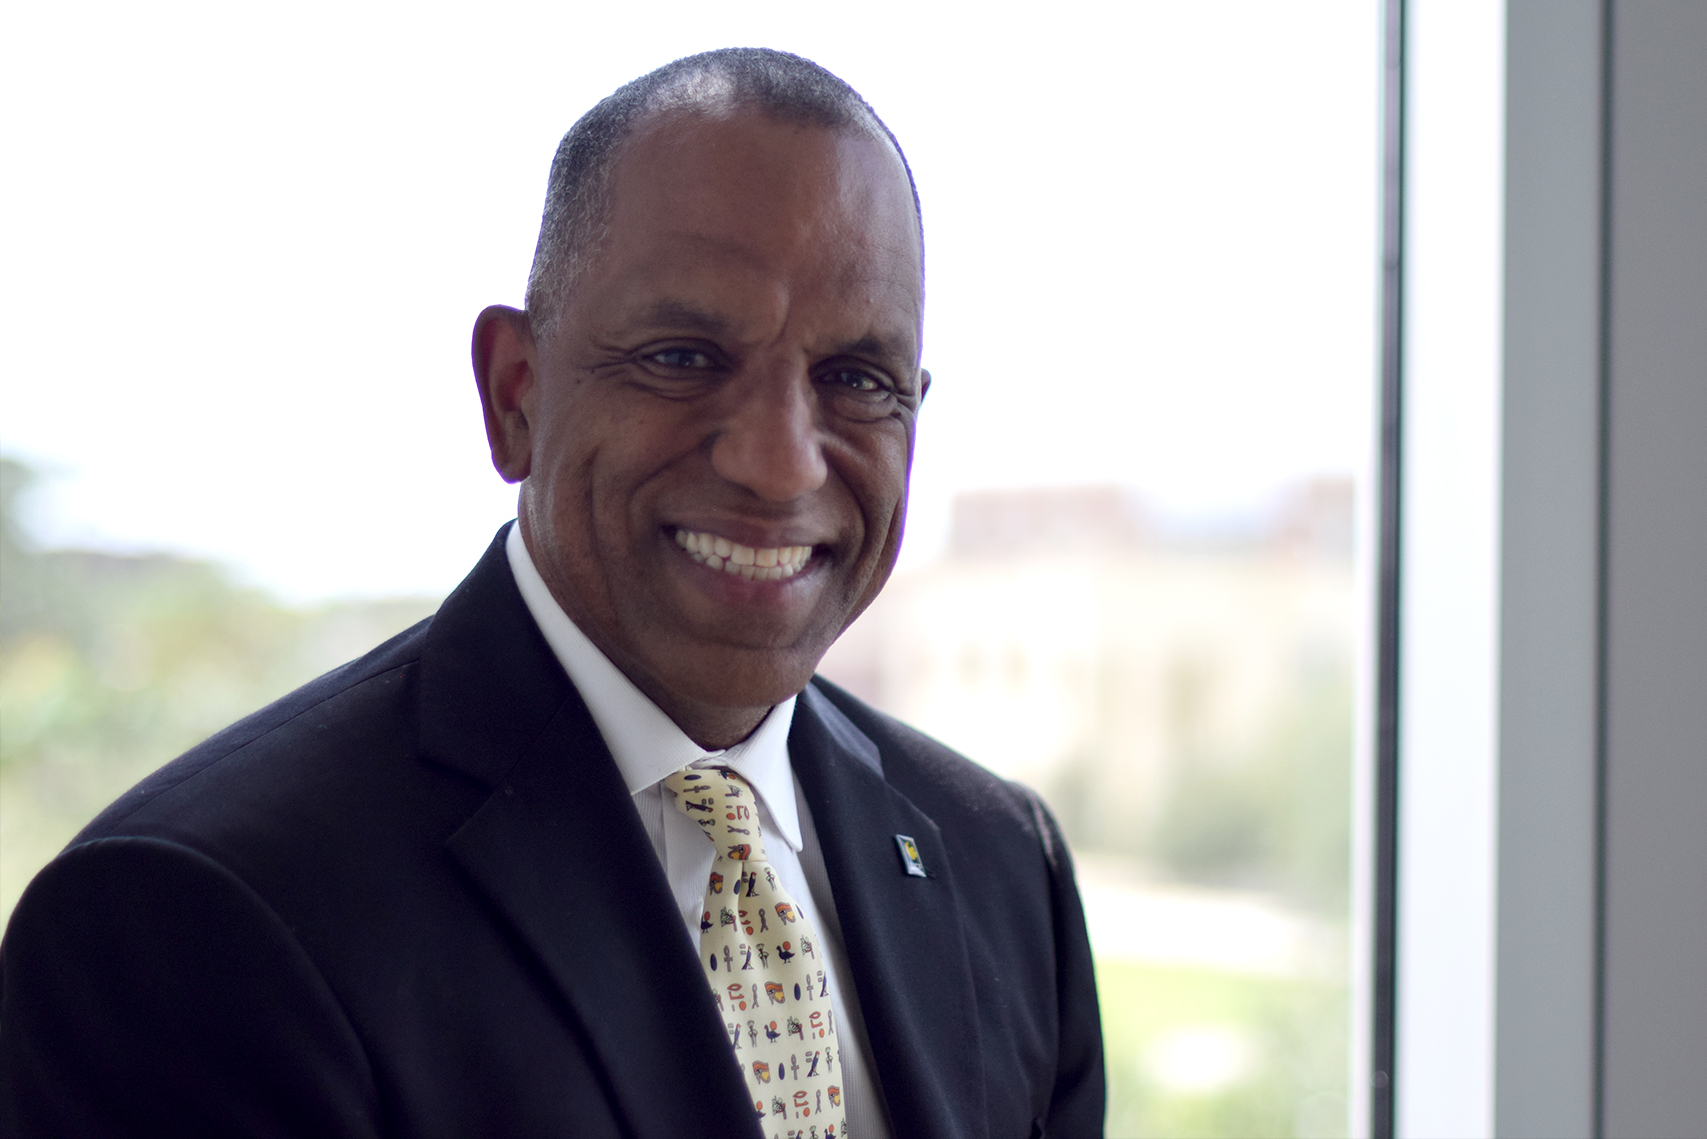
column 910, row 860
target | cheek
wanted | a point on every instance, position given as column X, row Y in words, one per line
column 880, row 473
column 876, row 477
column 620, row 485
column 565, row 492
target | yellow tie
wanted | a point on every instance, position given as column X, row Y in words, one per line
column 766, row 966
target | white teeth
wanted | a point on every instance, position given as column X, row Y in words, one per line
column 763, row 563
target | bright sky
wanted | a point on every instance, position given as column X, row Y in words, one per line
column 244, row 245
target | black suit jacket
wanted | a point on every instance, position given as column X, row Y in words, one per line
column 414, row 898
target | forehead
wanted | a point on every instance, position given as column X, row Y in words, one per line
column 692, row 191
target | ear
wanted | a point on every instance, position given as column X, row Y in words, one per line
column 924, row 383
column 505, row 368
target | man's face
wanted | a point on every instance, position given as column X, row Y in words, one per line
column 734, row 380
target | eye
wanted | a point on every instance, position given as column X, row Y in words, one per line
column 687, row 359
column 858, row 391
column 855, row 380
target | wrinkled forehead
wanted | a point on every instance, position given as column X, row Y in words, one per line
column 699, row 104
column 742, row 172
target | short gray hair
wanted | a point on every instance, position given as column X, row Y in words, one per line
column 781, row 85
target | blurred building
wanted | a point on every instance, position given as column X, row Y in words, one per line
column 1070, row 640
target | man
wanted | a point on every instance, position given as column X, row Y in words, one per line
column 460, row 886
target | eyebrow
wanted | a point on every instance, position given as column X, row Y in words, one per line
column 882, row 347
column 679, row 314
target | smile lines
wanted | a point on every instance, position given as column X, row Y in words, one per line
column 769, row 563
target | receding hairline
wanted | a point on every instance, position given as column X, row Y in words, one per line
column 655, row 118
column 720, row 85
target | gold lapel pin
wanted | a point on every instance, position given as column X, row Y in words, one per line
column 910, row 860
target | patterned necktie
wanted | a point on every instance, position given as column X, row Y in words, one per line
column 766, row 966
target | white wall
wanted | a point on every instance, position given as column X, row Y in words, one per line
column 1546, row 993
column 1553, row 641
column 1654, row 1040
column 1449, row 571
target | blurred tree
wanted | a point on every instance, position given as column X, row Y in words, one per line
column 1279, row 819
column 112, row 665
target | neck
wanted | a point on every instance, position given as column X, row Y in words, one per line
column 710, row 726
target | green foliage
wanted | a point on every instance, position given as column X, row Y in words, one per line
column 1278, row 820
column 1284, row 1068
column 110, row 666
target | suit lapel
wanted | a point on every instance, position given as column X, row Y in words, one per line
column 904, row 939
column 559, row 850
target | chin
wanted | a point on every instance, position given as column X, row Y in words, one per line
column 747, row 678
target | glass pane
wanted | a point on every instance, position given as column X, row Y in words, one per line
column 1132, row 578
column 243, row 258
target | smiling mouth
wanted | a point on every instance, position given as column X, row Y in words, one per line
column 763, row 563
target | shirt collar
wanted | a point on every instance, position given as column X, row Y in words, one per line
column 646, row 744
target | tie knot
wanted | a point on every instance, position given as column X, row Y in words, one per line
column 723, row 805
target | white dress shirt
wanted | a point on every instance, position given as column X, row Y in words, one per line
column 647, row 746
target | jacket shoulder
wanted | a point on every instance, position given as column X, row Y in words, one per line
column 370, row 691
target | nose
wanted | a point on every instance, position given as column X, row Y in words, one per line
column 770, row 442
